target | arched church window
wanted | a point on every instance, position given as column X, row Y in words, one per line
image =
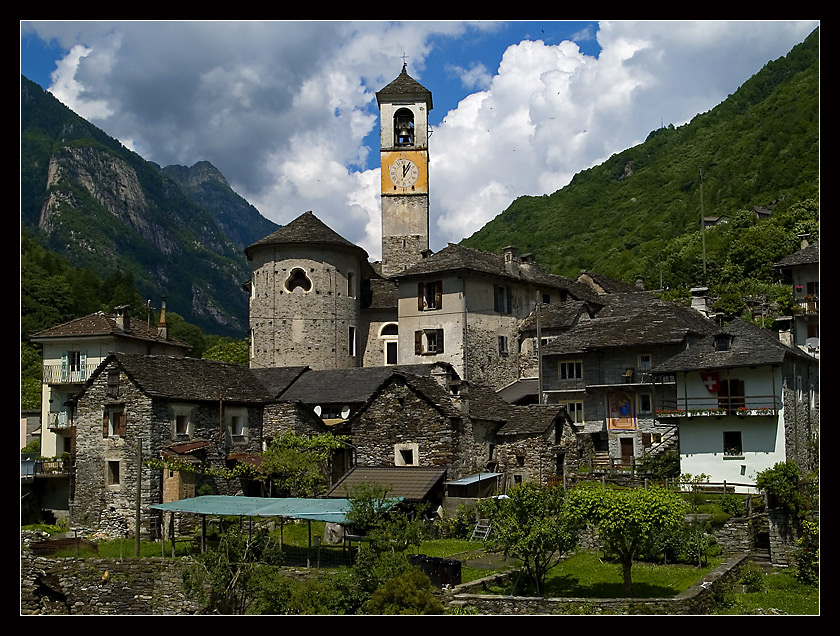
column 298, row 278
column 404, row 127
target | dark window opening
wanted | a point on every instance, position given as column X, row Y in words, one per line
column 732, row 443
column 298, row 278
column 404, row 128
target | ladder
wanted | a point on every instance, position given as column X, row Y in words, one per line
column 481, row 531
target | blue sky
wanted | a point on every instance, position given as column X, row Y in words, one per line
column 286, row 110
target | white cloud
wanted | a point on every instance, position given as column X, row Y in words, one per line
column 286, row 109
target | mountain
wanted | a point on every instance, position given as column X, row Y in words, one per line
column 203, row 183
column 179, row 232
column 759, row 149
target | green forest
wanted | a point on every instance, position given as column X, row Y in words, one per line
column 639, row 213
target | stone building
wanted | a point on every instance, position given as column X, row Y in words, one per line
column 136, row 408
column 600, row 370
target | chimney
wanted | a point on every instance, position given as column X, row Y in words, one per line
column 700, row 300
column 163, row 329
column 123, row 318
column 511, row 260
column 784, row 325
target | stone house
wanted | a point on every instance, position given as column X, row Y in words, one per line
column 136, row 408
column 601, row 371
column 464, row 306
column 744, row 401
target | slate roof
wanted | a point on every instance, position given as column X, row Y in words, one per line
column 404, row 86
column 190, row 379
column 305, row 229
column 635, row 319
column 454, row 258
column 345, row 386
column 750, row 346
column 556, row 316
column 412, row 483
column 486, row 404
column 807, row 256
column 100, row 324
column 608, row 285
column 276, row 380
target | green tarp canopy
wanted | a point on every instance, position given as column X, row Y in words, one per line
column 330, row 510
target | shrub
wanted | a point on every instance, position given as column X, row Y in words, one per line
column 807, row 554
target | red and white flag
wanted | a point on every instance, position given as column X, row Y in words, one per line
column 711, row 380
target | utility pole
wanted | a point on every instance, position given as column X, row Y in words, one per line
column 702, row 225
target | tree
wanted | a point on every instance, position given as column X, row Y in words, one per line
column 783, row 482
column 297, row 465
column 228, row 579
column 628, row 521
column 533, row 525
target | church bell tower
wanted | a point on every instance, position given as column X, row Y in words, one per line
column 404, row 107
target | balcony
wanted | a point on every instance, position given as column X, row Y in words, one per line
column 59, row 420
column 809, row 305
column 740, row 406
column 60, row 374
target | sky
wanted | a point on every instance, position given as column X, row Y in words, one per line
column 286, row 110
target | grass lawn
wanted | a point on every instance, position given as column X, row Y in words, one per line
column 586, row 575
column 781, row 593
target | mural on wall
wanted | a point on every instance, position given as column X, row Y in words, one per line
column 622, row 412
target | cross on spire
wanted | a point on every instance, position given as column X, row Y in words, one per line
column 404, row 58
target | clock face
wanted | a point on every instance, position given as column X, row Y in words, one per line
column 404, row 173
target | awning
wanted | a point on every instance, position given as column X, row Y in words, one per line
column 471, row 479
column 329, row 510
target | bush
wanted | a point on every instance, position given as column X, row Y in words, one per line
column 808, row 554
column 753, row 578
column 408, row 593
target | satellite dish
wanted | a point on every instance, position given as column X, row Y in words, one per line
column 317, row 410
column 345, row 412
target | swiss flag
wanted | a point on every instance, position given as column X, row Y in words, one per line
column 711, row 380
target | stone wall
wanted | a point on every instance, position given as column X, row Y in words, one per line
column 102, row 586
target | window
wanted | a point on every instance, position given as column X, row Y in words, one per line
column 723, row 342
column 74, row 361
column 298, row 279
column 429, row 295
column 645, row 403
column 114, row 422
column 731, row 395
column 428, row 342
column 645, row 362
column 571, row 370
column 113, row 473
column 351, row 284
column 113, row 390
column 406, row 454
column 575, row 411
column 182, row 425
column 351, row 341
column 503, row 345
column 237, row 425
column 502, row 299
column 732, row 444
